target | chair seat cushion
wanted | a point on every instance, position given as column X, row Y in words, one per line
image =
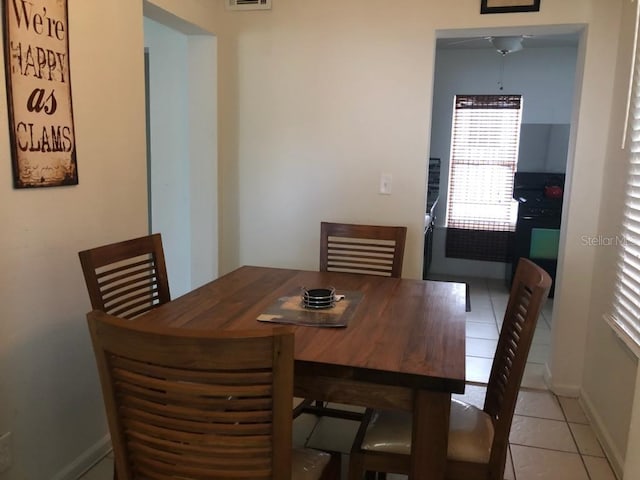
column 308, row 464
column 470, row 433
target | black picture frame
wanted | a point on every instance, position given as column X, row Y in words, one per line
column 509, row 6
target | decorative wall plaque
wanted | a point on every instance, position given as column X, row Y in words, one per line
column 36, row 48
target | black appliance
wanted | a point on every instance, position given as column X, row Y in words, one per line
column 537, row 235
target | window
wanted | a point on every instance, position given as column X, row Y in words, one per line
column 625, row 316
column 481, row 212
column 484, row 154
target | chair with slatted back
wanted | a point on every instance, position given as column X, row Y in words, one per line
column 361, row 249
column 195, row 404
column 126, row 278
column 478, row 439
column 365, row 249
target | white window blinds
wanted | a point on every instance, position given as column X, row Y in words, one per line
column 484, row 155
column 625, row 316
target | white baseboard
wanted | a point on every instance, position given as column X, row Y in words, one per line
column 560, row 390
column 86, row 460
column 613, row 454
column 615, row 457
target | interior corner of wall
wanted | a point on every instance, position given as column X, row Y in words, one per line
column 562, row 390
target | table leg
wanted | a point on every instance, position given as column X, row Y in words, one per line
column 430, row 435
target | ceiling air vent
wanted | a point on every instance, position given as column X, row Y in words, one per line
column 248, row 4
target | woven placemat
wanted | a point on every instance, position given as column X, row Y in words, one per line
column 290, row 310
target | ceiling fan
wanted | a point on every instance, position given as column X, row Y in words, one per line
column 503, row 44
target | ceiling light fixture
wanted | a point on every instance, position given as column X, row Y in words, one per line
column 506, row 45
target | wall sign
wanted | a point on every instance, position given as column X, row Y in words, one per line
column 36, row 48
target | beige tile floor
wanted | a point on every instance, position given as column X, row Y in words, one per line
column 550, row 436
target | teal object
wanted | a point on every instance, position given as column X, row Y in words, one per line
column 544, row 243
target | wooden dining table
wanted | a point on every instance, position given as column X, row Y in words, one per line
column 403, row 346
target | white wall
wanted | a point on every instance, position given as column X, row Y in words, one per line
column 49, row 394
column 329, row 99
column 576, row 281
column 544, row 147
column 170, row 167
column 545, row 77
column 183, row 125
column 632, row 465
column 607, row 387
column 203, row 157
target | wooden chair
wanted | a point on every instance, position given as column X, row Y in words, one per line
column 478, row 439
column 198, row 404
column 108, row 273
column 361, row 249
column 126, row 278
column 366, row 249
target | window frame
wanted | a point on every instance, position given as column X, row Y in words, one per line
column 490, row 151
column 624, row 315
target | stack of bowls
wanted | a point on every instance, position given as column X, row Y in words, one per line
column 318, row 298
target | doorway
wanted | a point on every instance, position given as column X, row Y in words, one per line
column 182, row 148
column 543, row 72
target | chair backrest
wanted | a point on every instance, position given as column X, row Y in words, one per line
column 529, row 292
column 126, row 278
column 196, row 404
column 365, row 249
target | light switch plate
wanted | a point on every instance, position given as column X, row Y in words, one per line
column 385, row 184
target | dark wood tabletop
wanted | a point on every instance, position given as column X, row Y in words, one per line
column 403, row 347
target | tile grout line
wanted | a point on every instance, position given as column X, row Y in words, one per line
column 566, row 419
column 493, row 308
column 513, row 465
column 547, row 449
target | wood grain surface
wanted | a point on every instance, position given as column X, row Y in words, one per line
column 404, row 332
column 404, row 346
